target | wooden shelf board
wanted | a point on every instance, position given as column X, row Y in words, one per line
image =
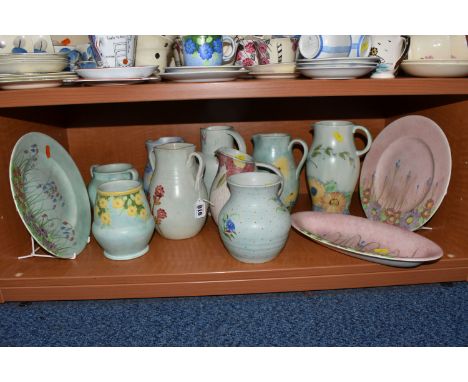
column 167, row 91
column 201, row 266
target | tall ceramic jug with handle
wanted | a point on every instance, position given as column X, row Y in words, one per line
column 177, row 193
column 333, row 165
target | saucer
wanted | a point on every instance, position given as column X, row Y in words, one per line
column 191, row 69
column 406, row 173
column 117, row 73
column 333, row 72
column 111, row 82
column 274, row 76
column 204, row 76
column 367, row 240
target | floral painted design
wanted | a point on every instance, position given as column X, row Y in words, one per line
column 206, row 48
column 38, row 202
column 388, row 206
column 229, row 227
column 233, row 165
column 283, row 165
column 161, row 213
column 130, row 204
column 355, row 243
column 328, row 151
column 327, row 198
column 290, row 200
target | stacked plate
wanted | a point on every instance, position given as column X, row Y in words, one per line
column 22, row 63
column 34, row 80
column 116, row 76
column 203, row 73
column 274, row 71
column 337, row 68
column 435, row 68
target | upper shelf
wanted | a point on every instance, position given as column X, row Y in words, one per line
column 167, row 91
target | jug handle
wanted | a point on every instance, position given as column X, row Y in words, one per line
column 152, row 158
column 304, row 156
column 201, row 168
column 133, row 173
column 239, row 140
column 369, row 140
column 276, row 171
column 91, row 169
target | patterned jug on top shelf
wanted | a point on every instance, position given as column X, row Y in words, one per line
column 149, row 169
column 333, row 165
column 276, row 149
column 175, row 190
column 212, row 139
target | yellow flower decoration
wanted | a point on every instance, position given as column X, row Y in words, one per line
column 105, row 218
column 143, row 214
column 334, row 202
column 132, row 211
column 238, row 162
column 317, row 191
column 117, row 203
column 138, row 199
column 283, row 165
column 381, row 251
column 102, row 203
column 338, row 136
column 290, row 199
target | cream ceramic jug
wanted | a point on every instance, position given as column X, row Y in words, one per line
column 175, row 189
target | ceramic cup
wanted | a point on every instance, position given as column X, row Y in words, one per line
column 391, row 50
column 154, row 50
column 361, row 46
column 278, row 50
column 123, row 225
column 113, row 51
column 206, row 50
column 247, row 54
column 325, row 46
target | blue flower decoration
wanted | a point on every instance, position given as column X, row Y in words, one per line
column 313, row 191
column 206, row 51
column 18, row 50
column 189, row 46
column 230, row 226
column 218, row 46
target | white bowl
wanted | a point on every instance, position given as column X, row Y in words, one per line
column 330, row 72
column 434, row 69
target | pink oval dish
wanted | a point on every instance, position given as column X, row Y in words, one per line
column 368, row 240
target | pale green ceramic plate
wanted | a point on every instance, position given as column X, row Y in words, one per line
column 50, row 195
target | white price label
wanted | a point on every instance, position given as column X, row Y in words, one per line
column 200, row 209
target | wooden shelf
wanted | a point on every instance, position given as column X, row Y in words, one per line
column 201, row 265
column 167, row 91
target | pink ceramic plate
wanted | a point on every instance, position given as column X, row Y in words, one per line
column 367, row 240
column 406, row 173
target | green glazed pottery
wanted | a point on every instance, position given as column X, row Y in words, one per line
column 254, row 224
column 50, row 195
column 276, row 149
column 123, row 224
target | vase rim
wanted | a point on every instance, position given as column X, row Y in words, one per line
column 272, row 135
column 175, row 146
column 217, row 128
column 112, row 168
column 254, row 180
column 333, row 123
column 118, row 187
